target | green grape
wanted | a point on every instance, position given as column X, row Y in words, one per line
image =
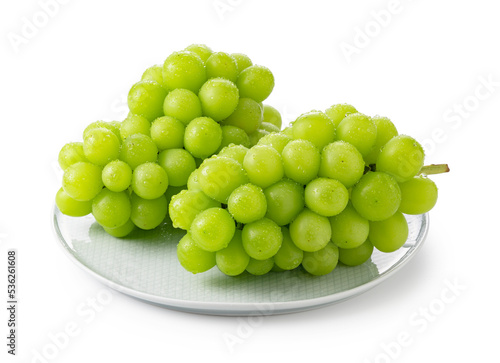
column 288, row 256
column 149, row 181
column 390, row 234
column 247, row 203
column 72, row 207
column 260, row 267
column 310, row 231
column 179, row 164
column 272, row 116
column 339, row 111
column 121, row 231
column 219, row 98
column 222, row 65
column 213, row 229
column 173, row 191
column 134, row 124
column 100, row 146
column 219, row 176
column 167, row 133
column 117, row 176
column 277, row 141
column 184, row 70
column 82, row 181
column 202, row 137
column 255, row 82
column 71, row 153
column 138, row 149
column 342, row 161
column 385, row 131
column 356, row 256
column 288, row 131
column 418, row 195
column 269, row 127
column 111, row 209
column 111, row 126
column 349, row 229
column 321, row 262
column 193, row 258
column 234, row 135
column 148, row 213
column 263, row 165
column 285, row 200
column 153, row 73
column 236, row 152
column 358, row 130
column 256, row 136
column 301, row 161
column 376, row 196
column 232, row 260
column 402, row 157
column 242, row 61
column 315, row 127
column 247, row 116
column 201, row 50
column 182, row 104
column 262, row 239
column 186, row 205
column 327, row 197
column 145, row 98
column 193, row 181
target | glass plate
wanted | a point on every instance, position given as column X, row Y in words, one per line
column 144, row 265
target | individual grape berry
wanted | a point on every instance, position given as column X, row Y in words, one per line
column 385, row 131
column 234, row 135
column 184, row 69
column 149, row 181
column 269, row 127
column 71, row 153
column 255, row 82
column 182, row 104
column 101, row 146
column 138, row 149
column 327, row 197
column 121, row 231
column 301, row 161
column 179, row 164
column 272, row 116
column 342, row 161
column 262, row 239
column 200, row 50
column 219, row 98
column 167, row 133
column 289, row 256
column 310, row 231
column 202, row 137
column 117, row 176
column 193, row 258
column 356, row 256
column 145, row 98
column 153, row 73
column 349, row 229
column 339, row 111
column 358, row 130
column 321, row 262
column 111, row 209
column 285, row 200
column 277, row 141
column 222, row 65
column 134, row 124
column 247, row 203
column 186, row 205
column 247, row 115
column 315, row 127
column 263, row 165
column 242, row 61
column 236, row 152
column 82, row 181
column 111, row 126
column 232, row 260
column 260, row 267
column 418, row 195
column 213, row 229
column 148, row 213
column 72, row 207
column 256, row 136
column 390, row 234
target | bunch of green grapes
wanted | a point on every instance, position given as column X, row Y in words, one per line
column 331, row 187
column 181, row 112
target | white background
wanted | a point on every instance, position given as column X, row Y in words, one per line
column 425, row 62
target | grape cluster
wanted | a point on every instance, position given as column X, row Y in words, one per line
column 181, row 112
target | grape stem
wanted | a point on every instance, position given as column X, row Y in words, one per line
column 434, row 169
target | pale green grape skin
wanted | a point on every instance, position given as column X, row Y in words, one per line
column 418, row 195
column 277, row 141
column 145, row 98
column 153, row 73
column 327, row 197
column 193, row 258
column 183, row 105
column 193, row 182
column 288, row 131
column 263, row 165
column 255, row 82
column 385, row 131
column 112, row 126
column 256, row 136
column 262, row 239
column 301, row 161
column 121, row 231
column 111, row 209
column 232, row 260
column 201, row 50
column 101, row 146
column 138, row 149
column 148, row 213
column 321, row 262
column 234, row 135
column 222, row 65
column 82, row 181
column 173, row 191
column 390, row 234
column 213, row 229
column 247, row 203
column 167, row 133
column 149, row 181
column 356, row 256
column 134, row 124
column 349, row 229
column 315, row 127
column 342, row 161
column 285, row 200
column 402, row 157
column 72, row 207
column 376, row 197
column 309, row 231
column 358, row 130
column 269, row 127
column 219, row 176
column 339, row 111
column 71, row 153
column 260, row 267
column 247, row 115
column 272, row 116
column 184, row 69
column 242, row 61
column 179, row 164
column 219, row 98
column 117, row 176
column 236, row 152
column 289, row 256
column 186, row 205
column 202, row 137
